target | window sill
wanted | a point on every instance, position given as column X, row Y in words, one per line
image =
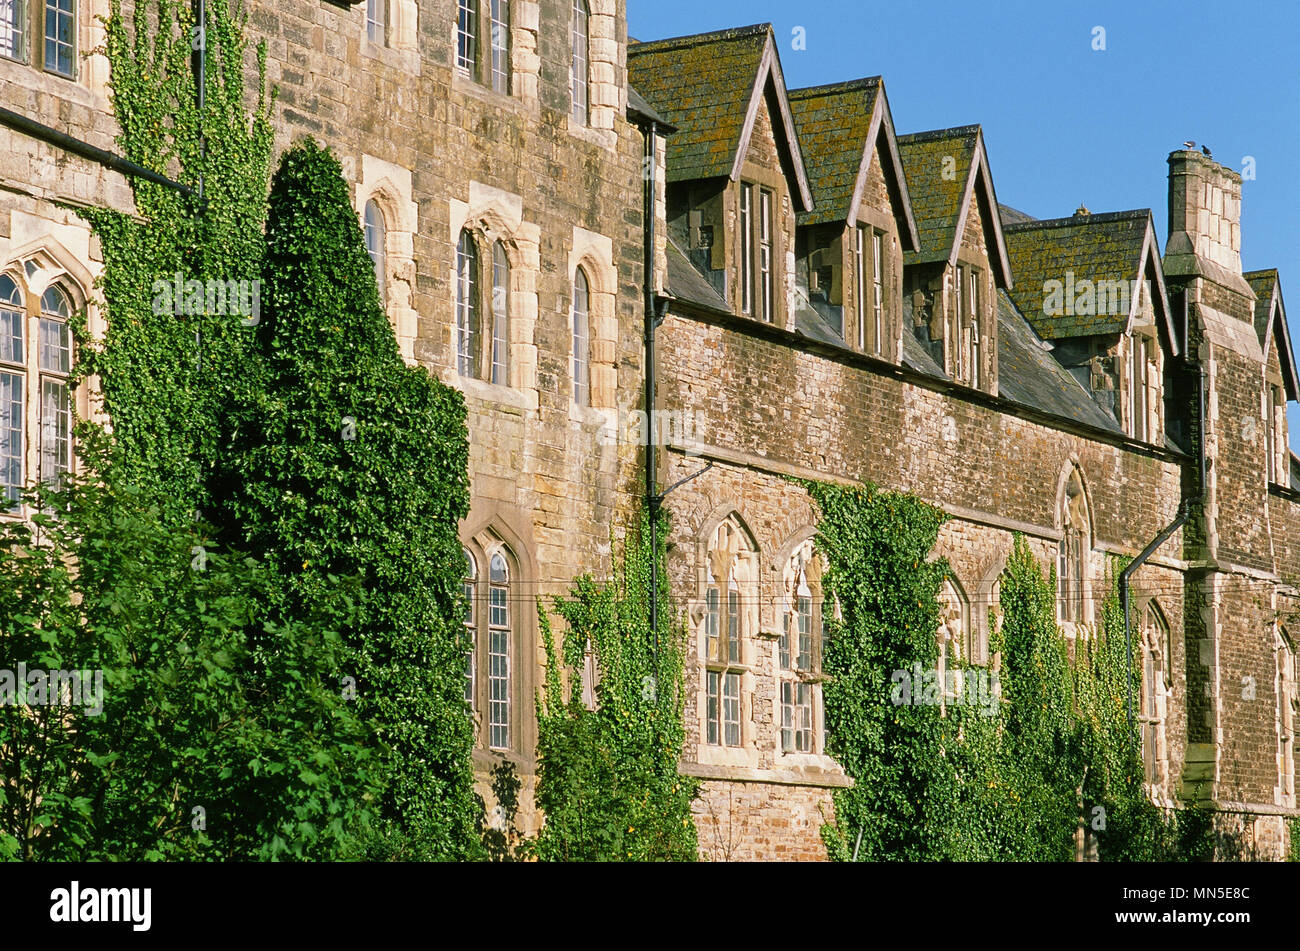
column 606, row 419
column 496, row 393
column 604, row 138
column 824, row 778
column 462, row 82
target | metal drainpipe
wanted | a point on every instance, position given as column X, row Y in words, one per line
column 1184, row 513
column 652, row 499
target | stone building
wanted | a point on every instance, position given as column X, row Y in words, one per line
column 844, row 302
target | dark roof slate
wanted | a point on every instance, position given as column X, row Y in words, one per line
column 1091, row 247
column 937, row 187
column 688, row 284
column 1028, row 373
column 833, row 123
column 702, row 84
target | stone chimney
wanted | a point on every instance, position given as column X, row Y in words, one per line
column 1204, row 215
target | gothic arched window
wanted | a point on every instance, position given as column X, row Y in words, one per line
column 581, row 338
column 1155, row 659
column 468, row 316
column 799, row 652
column 500, row 315
column 1072, row 552
column 730, row 592
column 376, row 244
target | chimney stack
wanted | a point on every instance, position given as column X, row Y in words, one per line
column 1204, row 210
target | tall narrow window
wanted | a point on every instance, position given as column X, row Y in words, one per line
column 1156, row 661
column 12, row 380
column 1137, row 386
column 467, row 309
column 581, row 335
column 54, row 363
column 878, row 290
column 746, row 248
column 973, row 297
column 954, row 344
column 470, row 588
column 765, row 252
column 377, row 21
column 730, row 564
column 1072, row 551
column 13, row 13
column 860, row 285
column 797, row 654
column 499, row 654
column 579, row 77
column 376, row 244
column 467, row 37
column 60, row 37
column 500, row 314
column 501, row 45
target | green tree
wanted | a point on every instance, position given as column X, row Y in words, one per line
column 607, row 778
column 345, row 462
column 193, row 739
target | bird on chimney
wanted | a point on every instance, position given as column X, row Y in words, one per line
column 1206, row 150
column 1189, row 144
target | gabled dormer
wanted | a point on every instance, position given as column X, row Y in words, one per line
column 735, row 174
column 849, row 248
column 1281, row 383
column 1093, row 286
column 950, row 282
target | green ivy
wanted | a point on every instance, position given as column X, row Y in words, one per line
column 607, row 777
column 967, row 782
column 346, row 462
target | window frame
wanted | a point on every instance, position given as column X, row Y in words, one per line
column 375, row 233
column 33, row 372
column 30, row 22
column 468, row 325
column 799, row 702
column 377, row 20
column 726, row 629
column 580, row 338
column 484, row 44
column 493, row 675
column 580, row 63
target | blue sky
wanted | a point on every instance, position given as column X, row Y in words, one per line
column 1065, row 123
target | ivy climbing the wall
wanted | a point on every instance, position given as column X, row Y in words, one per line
column 607, row 776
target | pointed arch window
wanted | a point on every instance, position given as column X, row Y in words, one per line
column 35, row 388
column 13, row 376
column 730, row 575
column 1072, row 553
column 579, row 77
column 500, row 702
column 1155, row 660
column 1289, row 676
column 468, row 316
column 500, row 315
column 376, row 244
column 581, row 339
column 799, row 653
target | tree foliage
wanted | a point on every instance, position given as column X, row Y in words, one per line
column 345, row 462
column 607, row 777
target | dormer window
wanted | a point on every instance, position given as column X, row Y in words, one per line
column 757, row 256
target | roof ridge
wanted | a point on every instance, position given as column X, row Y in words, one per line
column 699, row 39
column 933, row 134
column 827, row 89
column 1103, row 217
column 1260, row 272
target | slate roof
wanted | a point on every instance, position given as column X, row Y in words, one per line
column 638, row 108
column 1262, row 283
column 1013, row 216
column 1092, row 247
column 1028, row 373
column 833, row 123
column 705, row 85
column 936, row 197
column 688, row 284
column 1267, row 287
